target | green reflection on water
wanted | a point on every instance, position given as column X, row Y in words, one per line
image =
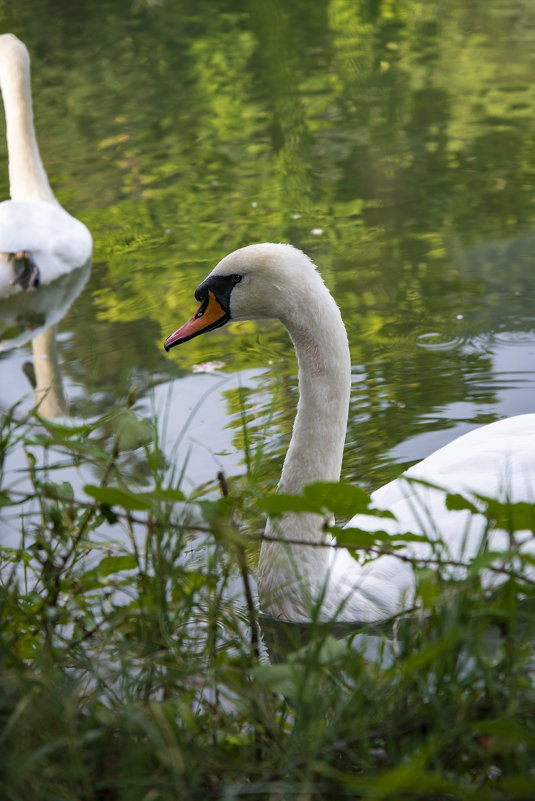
column 394, row 142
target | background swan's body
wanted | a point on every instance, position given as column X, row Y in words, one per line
column 279, row 281
column 32, row 222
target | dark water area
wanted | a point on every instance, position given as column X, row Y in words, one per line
column 394, row 143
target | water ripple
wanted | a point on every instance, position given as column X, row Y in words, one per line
column 438, row 341
column 518, row 336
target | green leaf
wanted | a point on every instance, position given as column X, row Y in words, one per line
column 73, row 447
column 342, row 499
column 511, row 516
column 112, row 496
column 107, row 566
column 408, row 536
column 62, row 430
column 131, row 431
column 5, row 499
column 356, row 538
column 282, row 502
column 284, row 679
column 458, row 503
column 320, row 497
column 166, row 495
column 114, row 564
column 218, row 510
column 488, row 558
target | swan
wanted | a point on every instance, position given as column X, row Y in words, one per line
column 39, row 240
column 297, row 581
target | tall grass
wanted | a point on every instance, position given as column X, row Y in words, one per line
column 133, row 664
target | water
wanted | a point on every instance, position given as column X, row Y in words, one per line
column 391, row 142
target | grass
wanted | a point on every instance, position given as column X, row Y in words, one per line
column 134, row 666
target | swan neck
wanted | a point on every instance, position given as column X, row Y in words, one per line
column 317, row 443
column 27, row 177
column 288, row 572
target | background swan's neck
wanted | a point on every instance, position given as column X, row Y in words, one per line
column 27, row 177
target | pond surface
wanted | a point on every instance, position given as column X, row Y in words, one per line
column 394, row 142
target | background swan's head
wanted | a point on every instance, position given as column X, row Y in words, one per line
column 14, row 61
column 255, row 282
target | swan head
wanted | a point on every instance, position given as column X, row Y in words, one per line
column 253, row 283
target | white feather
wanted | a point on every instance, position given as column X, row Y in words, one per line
column 32, row 220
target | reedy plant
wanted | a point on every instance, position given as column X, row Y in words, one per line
column 130, row 664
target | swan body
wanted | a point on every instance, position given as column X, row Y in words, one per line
column 36, row 233
column 299, row 580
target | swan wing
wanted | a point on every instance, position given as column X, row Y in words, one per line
column 496, row 461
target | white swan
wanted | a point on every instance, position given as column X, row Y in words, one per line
column 39, row 240
column 272, row 280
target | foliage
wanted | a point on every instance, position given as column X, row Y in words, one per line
column 131, row 663
column 393, row 141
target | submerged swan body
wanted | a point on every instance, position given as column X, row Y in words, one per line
column 272, row 280
column 39, row 240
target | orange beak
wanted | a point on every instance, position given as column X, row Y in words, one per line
column 208, row 316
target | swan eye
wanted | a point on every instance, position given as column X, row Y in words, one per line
column 236, row 278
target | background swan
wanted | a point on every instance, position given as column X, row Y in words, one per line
column 272, row 280
column 39, row 240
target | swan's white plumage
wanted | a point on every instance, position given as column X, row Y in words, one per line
column 32, row 220
column 497, row 460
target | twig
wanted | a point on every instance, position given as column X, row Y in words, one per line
column 242, row 561
column 92, row 506
column 58, row 569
